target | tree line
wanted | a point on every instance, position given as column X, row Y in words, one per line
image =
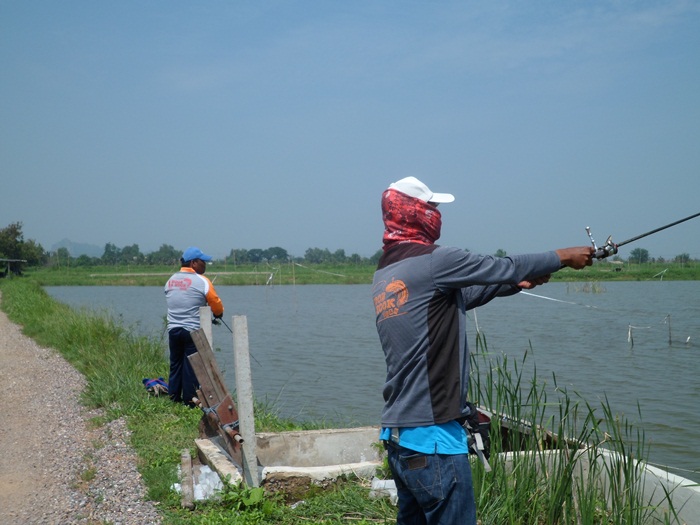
column 641, row 256
column 168, row 255
column 14, row 246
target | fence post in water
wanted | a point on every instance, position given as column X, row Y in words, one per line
column 205, row 323
column 244, row 389
column 630, row 339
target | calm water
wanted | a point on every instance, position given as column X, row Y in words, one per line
column 316, row 355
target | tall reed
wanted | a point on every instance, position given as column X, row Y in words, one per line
column 555, row 458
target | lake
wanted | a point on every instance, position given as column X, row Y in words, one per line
column 315, row 354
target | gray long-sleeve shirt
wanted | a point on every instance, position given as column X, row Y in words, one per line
column 421, row 294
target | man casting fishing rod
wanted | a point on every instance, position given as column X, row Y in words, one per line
column 421, row 293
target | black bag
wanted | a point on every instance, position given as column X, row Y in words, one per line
column 477, row 423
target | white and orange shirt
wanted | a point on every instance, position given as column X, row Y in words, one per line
column 185, row 292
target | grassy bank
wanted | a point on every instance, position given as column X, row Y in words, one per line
column 543, row 485
column 114, row 363
column 295, row 273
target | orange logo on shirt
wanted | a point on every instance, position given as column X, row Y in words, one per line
column 389, row 302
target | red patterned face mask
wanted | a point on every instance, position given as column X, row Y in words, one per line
column 407, row 219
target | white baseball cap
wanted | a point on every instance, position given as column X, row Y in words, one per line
column 415, row 188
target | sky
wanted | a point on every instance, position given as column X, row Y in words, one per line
column 255, row 124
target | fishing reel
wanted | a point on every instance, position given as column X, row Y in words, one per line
column 608, row 249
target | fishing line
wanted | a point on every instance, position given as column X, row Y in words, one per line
column 558, row 300
column 217, row 320
column 630, row 337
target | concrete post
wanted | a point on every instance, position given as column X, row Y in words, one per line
column 244, row 389
column 205, row 323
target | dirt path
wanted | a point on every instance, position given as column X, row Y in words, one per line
column 54, row 469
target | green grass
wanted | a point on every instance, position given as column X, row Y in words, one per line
column 545, row 484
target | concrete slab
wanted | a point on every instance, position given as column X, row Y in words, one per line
column 313, row 454
column 313, row 448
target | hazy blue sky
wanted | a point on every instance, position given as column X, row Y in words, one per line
column 279, row 123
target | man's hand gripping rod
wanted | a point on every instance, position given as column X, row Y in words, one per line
column 610, row 248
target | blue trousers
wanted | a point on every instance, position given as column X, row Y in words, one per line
column 182, row 383
column 432, row 488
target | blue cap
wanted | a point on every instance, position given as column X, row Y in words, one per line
column 193, row 253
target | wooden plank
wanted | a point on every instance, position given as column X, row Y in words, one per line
column 207, row 354
column 216, row 401
column 220, row 413
column 210, row 395
column 187, row 482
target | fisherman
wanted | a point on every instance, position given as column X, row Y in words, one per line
column 185, row 292
column 421, row 293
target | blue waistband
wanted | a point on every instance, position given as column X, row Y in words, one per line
column 447, row 438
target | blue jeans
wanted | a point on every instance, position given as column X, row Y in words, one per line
column 432, row 488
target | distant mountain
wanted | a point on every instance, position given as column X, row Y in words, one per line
column 76, row 249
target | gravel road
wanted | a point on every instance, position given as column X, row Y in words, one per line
column 54, row 467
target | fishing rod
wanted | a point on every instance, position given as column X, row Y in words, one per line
column 218, row 320
column 611, row 248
